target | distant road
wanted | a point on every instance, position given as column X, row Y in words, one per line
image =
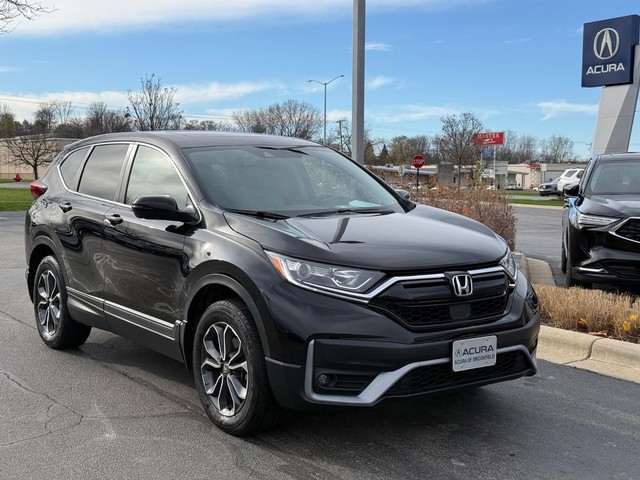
column 539, row 233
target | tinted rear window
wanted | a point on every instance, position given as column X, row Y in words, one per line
column 71, row 168
column 102, row 171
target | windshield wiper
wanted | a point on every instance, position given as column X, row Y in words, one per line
column 259, row 213
column 342, row 211
column 286, row 149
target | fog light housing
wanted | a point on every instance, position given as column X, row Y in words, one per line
column 323, row 380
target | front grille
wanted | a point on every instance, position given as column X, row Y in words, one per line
column 442, row 377
column 431, row 304
column 630, row 230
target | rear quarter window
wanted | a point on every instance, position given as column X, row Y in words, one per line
column 71, row 168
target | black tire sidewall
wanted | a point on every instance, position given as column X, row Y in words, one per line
column 51, row 264
column 236, row 316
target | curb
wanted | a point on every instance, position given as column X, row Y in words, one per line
column 603, row 355
column 582, row 346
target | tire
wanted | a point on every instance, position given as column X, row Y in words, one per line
column 571, row 281
column 563, row 260
column 229, row 370
column 56, row 327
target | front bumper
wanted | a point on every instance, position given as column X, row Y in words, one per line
column 601, row 256
column 361, row 370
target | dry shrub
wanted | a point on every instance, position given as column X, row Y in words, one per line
column 486, row 206
column 598, row 312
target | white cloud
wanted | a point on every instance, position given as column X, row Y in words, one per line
column 24, row 106
column 379, row 47
column 92, row 15
column 214, row 92
column 379, row 82
column 559, row 108
column 335, row 115
column 419, row 112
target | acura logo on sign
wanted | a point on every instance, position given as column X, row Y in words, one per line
column 462, row 285
column 606, row 43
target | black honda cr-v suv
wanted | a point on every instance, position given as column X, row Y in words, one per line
column 281, row 272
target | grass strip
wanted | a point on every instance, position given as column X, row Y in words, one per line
column 15, row 199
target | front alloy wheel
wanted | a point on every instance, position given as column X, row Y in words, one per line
column 224, row 370
column 230, row 371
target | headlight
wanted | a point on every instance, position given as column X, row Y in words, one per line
column 509, row 264
column 322, row 276
column 594, row 220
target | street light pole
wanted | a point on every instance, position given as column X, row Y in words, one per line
column 325, row 103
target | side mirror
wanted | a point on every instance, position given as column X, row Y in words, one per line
column 572, row 191
column 163, row 207
column 403, row 193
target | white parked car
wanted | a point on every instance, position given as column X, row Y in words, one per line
column 569, row 178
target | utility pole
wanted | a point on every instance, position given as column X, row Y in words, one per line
column 357, row 108
column 339, row 122
column 324, row 141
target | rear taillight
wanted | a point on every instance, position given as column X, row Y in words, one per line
column 37, row 189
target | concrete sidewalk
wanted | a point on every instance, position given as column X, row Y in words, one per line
column 602, row 355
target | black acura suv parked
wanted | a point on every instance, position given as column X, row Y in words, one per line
column 281, row 272
column 601, row 224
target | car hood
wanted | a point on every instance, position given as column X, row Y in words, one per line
column 424, row 238
column 617, row 206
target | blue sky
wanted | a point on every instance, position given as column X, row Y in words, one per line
column 513, row 63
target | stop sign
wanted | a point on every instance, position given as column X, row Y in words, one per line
column 418, row 161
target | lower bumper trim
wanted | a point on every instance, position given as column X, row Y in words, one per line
column 384, row 381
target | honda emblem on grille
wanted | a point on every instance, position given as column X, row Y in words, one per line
column 462, row 285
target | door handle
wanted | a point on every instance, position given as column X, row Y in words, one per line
column 65, row 207
column 112, row 220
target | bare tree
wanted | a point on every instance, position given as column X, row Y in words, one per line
column 340, row 136
column 403, row 148
column 63, row 110
column 34, row 150
column 455, row 144
column 291, row 119
column 7, row 121
column 12, row 10
column 154, row 107
column 45, row 118
column 248, row 120
column 209, row 125
column 528, row 148
column 518, row 149
column 557, row 149
column 100, row 119
column 74, row 127
column 295, row 119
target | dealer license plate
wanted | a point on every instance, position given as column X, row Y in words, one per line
column 474, row 353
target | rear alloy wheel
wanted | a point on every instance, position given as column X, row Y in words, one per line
column 230, row 372
column 55, row 326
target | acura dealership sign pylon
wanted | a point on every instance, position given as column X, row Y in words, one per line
column 607, row 51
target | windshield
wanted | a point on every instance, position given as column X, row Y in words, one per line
column 615, row 178
column 292, row 181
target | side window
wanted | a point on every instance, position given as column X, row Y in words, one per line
column 154, row 174
column 71, row 168
column 102, row 171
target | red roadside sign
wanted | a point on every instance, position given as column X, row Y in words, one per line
column 418, row 161
column 488, row 138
